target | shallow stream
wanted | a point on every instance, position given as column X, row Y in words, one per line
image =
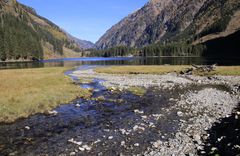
column 119, row 123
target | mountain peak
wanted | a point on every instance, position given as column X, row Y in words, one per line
column 161, row 20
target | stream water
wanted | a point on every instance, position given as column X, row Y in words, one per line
column 121, row 123
column 102, row 125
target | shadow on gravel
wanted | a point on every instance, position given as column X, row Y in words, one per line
column 224, row 137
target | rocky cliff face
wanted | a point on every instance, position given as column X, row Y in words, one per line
column 161, row 20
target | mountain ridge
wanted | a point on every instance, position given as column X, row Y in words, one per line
column 172, row 20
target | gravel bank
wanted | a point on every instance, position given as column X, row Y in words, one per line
column 198, row 109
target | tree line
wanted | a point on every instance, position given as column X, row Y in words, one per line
column 160, row 49
column 113, row 52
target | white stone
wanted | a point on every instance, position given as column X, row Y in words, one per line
column 27, row 128
column 77, row 105
column 110, row 137
column 136, row 144
column 53, row 112
column 81, row 149
column 179, row 113
column 122, row 143
column 79, row 143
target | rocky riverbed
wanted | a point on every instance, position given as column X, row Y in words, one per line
column 201, row 102
column 176, row 115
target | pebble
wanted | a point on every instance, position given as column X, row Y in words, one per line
column 27, row 128
column 77, row 105
column 72, row 153
column 138, row 111
column 97, row 141
column 123, row 143
column 110, row 137
column 53, row 112
column 136, row 128
column 86, row 147
column 179, row 113
column 197, row 138
column 236, row 117
column 79, row 143
column 136, row 144
column 213, row 149
column 157, row 144
column 81, row 149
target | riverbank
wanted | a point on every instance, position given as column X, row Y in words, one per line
column 195, row 104
column 29, row 91
column 164, row 69
column 133, row 114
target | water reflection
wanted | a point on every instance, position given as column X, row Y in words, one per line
column 72, row 62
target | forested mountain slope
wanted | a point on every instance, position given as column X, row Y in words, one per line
column 26, row 35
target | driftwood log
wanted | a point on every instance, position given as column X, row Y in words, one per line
column 206, row 68
column 203, row 68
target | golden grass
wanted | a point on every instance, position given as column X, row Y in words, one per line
column 224, row 70
column 163, row 69
column 24, row 92
column 140, row 69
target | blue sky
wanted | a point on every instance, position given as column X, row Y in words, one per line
column 85, row 19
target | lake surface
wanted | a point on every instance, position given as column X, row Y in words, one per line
column 72, row 62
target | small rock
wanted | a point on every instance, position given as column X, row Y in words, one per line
column 136, row 127
column 27, row 128
column 123, row 131
column 97, row 141
column 179, row 113
column 81, row 149
column 150, row 125
column 72, row 153
column 157, row 144
column 171, row 99
column 144, row 117
column 122, row 143
column 138, row 111
column 213, row 149
column 53, row 112
column 110, row 137
column 77, row 105
column 75, row 142
column 236, row 117
column 136, row 145
column 86, row 147
column 237, row 147
column 219, row 139
column 197, row 138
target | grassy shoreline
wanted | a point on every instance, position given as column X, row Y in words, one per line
column 164, row 69
column 26, row 92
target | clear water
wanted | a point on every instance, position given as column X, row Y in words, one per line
column 72, row 62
